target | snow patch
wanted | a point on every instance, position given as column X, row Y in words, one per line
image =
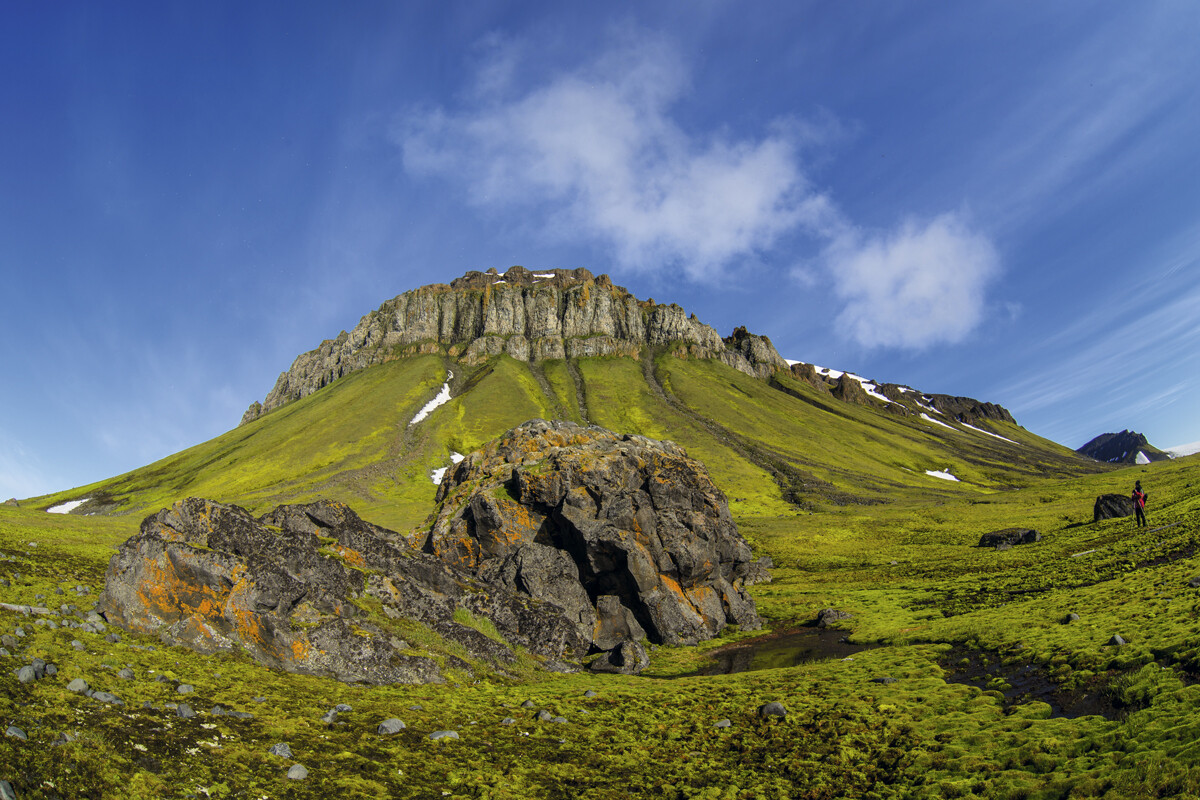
column 1141, row 458
column 67, row 507
column 543, row 275
column 792, row 363
column 439, row 473
column 943, row 474
column 988, row 433
column 827, row 372
column 442, row 398
column 928, row 418
column 456, row 457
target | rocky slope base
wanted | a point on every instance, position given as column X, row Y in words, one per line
column 1126, row 447
column 529, row 316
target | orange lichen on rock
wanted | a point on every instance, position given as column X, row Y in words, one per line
column 350, row 556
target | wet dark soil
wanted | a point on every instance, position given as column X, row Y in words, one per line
column 785, row 648
column 1029, row 682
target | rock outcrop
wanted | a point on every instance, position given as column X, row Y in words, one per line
column 1009, row 537
column 627, row 535
column 1126, row 447
column 1111, row 506
column 300, row 589
column 530, row 316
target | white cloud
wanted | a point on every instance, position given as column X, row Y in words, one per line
column 600, row 149
column 913, row 287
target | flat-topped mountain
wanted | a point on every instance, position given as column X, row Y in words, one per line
column 1126, row 447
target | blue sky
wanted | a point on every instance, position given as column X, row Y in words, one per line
column 999, row 200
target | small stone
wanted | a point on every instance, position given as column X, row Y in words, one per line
column 437, row 736
column 527, row 704
column 281, row 749
column 39, row 668
column 20, row 633
column 828, row 616
column 1117, row 640
column 722, row 723
column 589, row 693
column 26, row 674
column 1195, row 582
column 185, row 711
column 260, row 699
column 390, row 726
column 113, row 638
column 330, row 716
column 416, row 707
column 16, row 733
column 162, row 678
column 126, row 673
column 544, row 715
column 342, row 708
column 772, row 709
column 297, row 772
column 883, row 679
column 559, row 720
column 7, row 640
column 508, row 721
column 218, row 711
column 59, row 590
column 107, row 697
column 1072, row 617
column 185, row 688
column 79, row 686
column 6, row 791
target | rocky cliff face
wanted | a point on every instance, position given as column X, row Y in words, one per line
column 1126, row 447
column 529, row 316
column 627, row 534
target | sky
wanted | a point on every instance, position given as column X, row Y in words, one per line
column 992, row 199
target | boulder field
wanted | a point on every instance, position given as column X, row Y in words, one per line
column 561, row 540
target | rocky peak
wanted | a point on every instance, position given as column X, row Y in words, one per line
column 530, row 316
column 1126, row 447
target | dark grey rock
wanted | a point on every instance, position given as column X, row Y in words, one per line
column 107, row 697
column 527, row 704
column 508, row 721
column 79, row 686
column 883, row 679
column 297, row 772
column 629, row 658
column 51, row 670
column 1117, row 640
column 330, row 716
column 1195, row 582
column 438, row 736
column 16, row 733
column 9, row 641
column 39, row 668
column 544, row 715
column 113, row 638
column 217, row 711
column 342, row 708
column 589, row 693
column 829, row 616
column 1112, row 506
column 1072, row 617
column 390, row 726
column 722, row 723
column 416, row 707
column 6, row 791
column 281, row 749
column 184, row 688
column 126, row 673
column 26, row 674
column 185, row 711
column 772, row 710
column 559, row 720
column 1010, row 537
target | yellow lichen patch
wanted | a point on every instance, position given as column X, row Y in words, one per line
column 350, row 556
column 300, row 648
column 166, row 596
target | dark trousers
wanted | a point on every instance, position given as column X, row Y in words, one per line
column 1141, row 515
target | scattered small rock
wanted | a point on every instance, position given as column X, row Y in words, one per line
column 883, row 679
column 342, row 708
column 16, row 733
column 416, row 707
column 113, row 638
column 107, row 697
column 589, row 693
column 185, row 688
column 559, row 720
column 1117, row 640
column 260, row 699
column 79, row 686
column 1195, row 582
column 544, row 715
column 1009, row 536
column 508, row 721
column 390, row 726
column 281, row 749
column 437, row 736
column 297, row 772
column 185, row 711
column 330, row 716
column 126, row 673
column 6, row 791
column 722, row 723
column 1072, row 617
column 772, row 709
column 828, row 616
column 26, row 674
column 527, row 704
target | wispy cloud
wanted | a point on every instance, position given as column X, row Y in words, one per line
column 599, row 152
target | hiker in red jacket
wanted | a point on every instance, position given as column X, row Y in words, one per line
column 1139, row 503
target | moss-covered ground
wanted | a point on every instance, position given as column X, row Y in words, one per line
column 973, row 683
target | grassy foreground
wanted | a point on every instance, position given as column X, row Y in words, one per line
column 994, row 695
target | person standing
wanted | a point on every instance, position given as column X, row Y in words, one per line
column 1139, row 503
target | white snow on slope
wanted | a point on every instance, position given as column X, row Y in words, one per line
column 928, row 418
column 988, row 433
column 1184, row 449
column 440, row 472
column 543, row 275
column 1141, row 458
column 792, row 363
column 67, row 507
column 442, row 398
column 943, row 474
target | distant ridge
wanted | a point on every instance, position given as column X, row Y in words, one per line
column 1126, row 447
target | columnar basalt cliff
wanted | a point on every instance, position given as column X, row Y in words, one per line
column 627, row 534
column 530, row 316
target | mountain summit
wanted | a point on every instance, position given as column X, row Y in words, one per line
column 1126, row 447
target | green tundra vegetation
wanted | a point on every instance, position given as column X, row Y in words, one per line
column 972, row 680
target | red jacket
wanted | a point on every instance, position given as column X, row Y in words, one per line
column 1139, row 497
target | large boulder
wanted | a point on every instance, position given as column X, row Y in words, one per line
column 1110, row 506
column 1010, row 537
column 302, row 589
column 628, row 535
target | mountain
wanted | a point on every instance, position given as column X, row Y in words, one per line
column 1126, row 447
column 373, row 417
